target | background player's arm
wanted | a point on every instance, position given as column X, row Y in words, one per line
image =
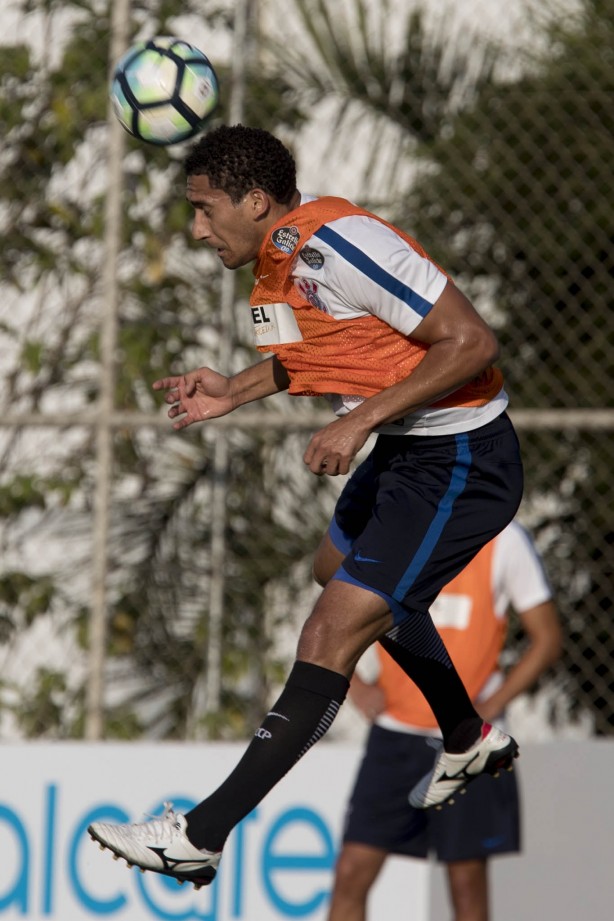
column 543, row 630
column 367, row 697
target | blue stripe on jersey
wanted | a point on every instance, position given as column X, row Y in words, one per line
column 458, row 479
column 372, row 270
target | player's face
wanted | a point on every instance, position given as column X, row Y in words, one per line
column 233, row 230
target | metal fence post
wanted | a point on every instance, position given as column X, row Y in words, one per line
column 94, row 718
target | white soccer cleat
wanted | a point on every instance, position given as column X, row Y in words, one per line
column 493, row 750
column 160, row 845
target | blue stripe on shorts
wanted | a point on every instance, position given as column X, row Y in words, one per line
column 340, row 539
column 399, row 613
column 458, row 480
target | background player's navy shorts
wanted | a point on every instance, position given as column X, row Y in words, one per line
column 419, row 508
column 484, row 821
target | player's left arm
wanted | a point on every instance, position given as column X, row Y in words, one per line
column 461, row 346
column 542, row 628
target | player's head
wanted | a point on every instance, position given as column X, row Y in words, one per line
column 240, row 181
column 237, row 159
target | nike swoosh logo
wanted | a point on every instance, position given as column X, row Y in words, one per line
column 493, row 842
column 365, row 559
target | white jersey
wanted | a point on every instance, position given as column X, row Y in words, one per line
column 518, row 577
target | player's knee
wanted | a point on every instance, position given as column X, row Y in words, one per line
column 325, row 640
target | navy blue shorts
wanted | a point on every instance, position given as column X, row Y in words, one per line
column 419, row 508
column 484, row 821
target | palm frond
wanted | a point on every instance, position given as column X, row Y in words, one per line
column 391, row 79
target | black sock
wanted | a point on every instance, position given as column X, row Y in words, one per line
column 303, row 713
column 417, row 647
column 465, row 735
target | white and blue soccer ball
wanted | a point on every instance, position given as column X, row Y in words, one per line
column 164, row 90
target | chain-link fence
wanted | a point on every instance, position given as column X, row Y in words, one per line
column 504, row 177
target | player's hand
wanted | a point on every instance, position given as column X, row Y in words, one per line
column 368, row 698
column 489, row 710
column 332, row 449
column 196, row 396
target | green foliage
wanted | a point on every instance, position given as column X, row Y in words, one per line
column 20, row 493
column 514, row 198
column 522, row 214
column 53, row 110
column 123, row 725
column 23, row 598
column 25, row 492
column 383, row 68
column 526, row 208
column 41, row 710
column 159, row 624
column 410, row 81
column 511, row 192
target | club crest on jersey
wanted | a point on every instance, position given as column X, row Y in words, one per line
column 309, row 290
column 286, row 238
column 313, row 257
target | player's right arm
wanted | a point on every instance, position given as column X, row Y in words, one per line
column 205, row 394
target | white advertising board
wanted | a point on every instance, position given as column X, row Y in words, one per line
column 277, row 864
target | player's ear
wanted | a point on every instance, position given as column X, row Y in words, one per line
column 259, row 203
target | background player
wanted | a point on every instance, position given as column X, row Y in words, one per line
column 471, row 616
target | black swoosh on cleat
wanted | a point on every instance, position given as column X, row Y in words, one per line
column 460, row 774
column 173, row 865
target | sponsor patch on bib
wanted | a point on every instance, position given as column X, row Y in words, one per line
column 312, row 257
column 274, row 324
column 286, row 238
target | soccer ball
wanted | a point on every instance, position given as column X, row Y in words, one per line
column 164, row 90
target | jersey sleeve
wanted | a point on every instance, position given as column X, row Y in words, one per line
column 374, row 270
column 519, row 578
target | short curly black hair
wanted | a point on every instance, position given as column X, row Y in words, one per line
column 237, row 159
